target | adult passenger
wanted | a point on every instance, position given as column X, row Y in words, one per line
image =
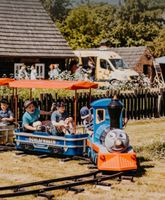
column 73, row 66
column 54, row 71
column 92, row 68
column 22, row 73
column 33, row 73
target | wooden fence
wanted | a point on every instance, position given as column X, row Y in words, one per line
column 139, row 104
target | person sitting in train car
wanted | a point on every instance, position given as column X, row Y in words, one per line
column 6, row 115
column 87, row 119
column 30, row 119
column 63, row 124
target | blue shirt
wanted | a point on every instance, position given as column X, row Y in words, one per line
column 88, row 124
column 29, row 118
column 6, row 114
column 57, row 116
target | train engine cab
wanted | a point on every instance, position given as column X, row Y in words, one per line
column 109, row 146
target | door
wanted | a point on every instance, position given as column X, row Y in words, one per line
column 103, row 69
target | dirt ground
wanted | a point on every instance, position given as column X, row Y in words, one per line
column 146, row 136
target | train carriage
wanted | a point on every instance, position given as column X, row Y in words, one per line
column 6, row 129
column 68, row 145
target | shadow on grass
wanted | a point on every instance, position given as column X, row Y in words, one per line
column 141, row 167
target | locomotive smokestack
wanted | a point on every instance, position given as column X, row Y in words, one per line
column 115, row 109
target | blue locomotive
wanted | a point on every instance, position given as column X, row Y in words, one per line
column 109, row 146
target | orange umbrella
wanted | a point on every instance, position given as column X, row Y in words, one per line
column 5, row 81
column 56, row 84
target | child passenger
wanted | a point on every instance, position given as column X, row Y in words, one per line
column 30, row 119
column 6, row 115
column 61, row 121
column 87, row 118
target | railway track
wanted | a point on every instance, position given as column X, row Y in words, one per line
column 68, row 183
column 7, row 148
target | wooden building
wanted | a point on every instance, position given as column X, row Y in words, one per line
column 161, row 61
column 29, row 36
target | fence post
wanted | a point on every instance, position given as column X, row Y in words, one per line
column 156, row 105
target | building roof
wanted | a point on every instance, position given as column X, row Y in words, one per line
column 161, row 60
column 27, row 30
column 131, row 55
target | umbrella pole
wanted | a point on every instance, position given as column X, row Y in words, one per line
column 75, row 110
column 90, row 98
column 16, row 105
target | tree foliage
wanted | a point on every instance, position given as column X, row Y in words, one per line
column 131, row 23
column 83, row 27
column 157, row 46
column 58, row 9
column 146, row 11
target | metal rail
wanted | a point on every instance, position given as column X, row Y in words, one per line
column 7, row 148
column 95, row 177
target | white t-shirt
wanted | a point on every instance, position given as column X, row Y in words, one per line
column 88, row 124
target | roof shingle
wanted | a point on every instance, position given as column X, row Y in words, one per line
column 131, row 55
column 27, row 30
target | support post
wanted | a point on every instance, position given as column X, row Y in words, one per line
column 75, row 110
column 16, row 105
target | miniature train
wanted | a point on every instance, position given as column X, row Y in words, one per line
column 108, row 147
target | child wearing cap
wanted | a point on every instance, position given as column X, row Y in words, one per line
column 31, row 116
column 87, row 118
column 61, row 121
column 6, row 115
column 6, row 120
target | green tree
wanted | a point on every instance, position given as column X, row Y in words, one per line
column 158, row 45
column 47, row 5
column 137, row 23
column 84, row 25
column 131, row 23
column 126, row 34
column 146, row 11
column 58, row 9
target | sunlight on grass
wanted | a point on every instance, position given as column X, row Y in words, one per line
column 156, row 150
